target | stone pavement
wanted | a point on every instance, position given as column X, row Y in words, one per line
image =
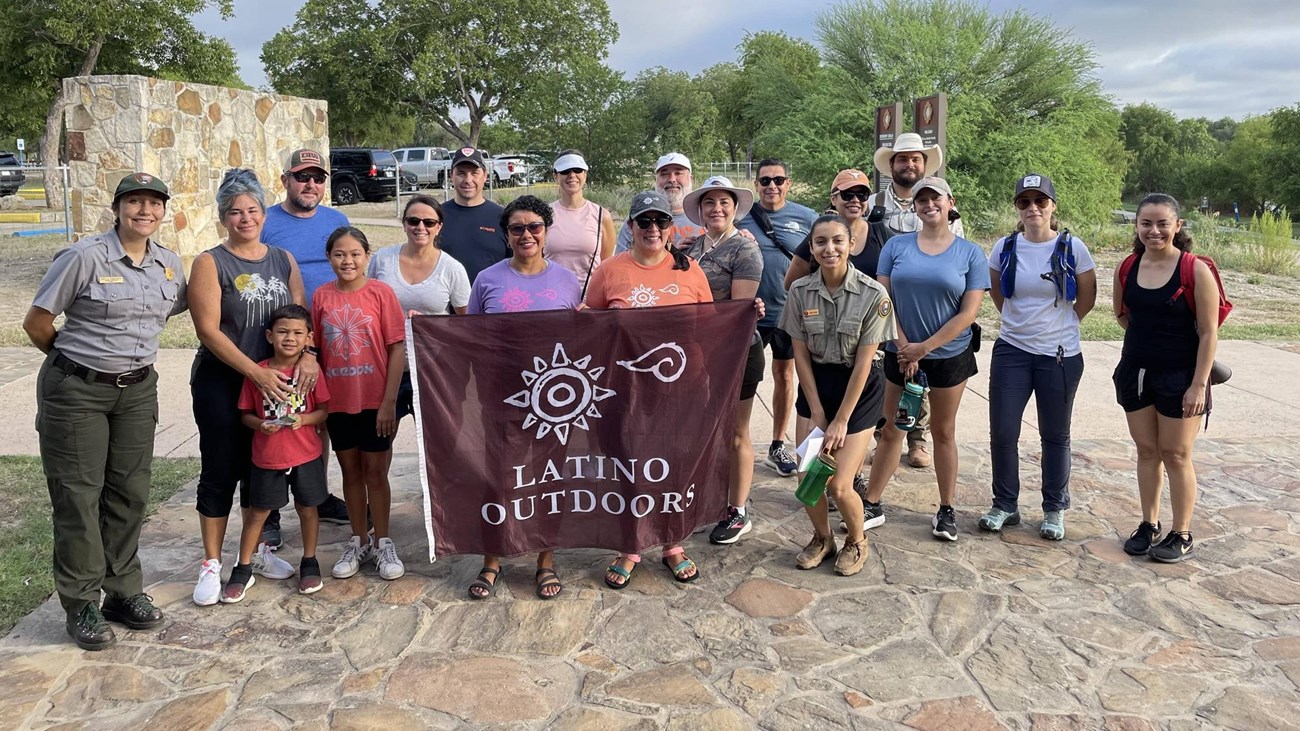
column 990, row 632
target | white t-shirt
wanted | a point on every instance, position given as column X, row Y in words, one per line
column 447, row 285
column 1033, row 320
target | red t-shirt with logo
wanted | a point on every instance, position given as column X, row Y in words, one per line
column 354, row 330
column 287, row 448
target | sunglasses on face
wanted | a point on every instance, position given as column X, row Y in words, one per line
column 414, row 221
column 1040, row 202
column 518, row 229
column 572, row 171
column 305, row 177
column 777, row 180
column 848, row 195
column 662, row 222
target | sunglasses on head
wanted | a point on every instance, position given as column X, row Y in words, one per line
column 414, row 221
column 663, row 222
column 303, row 177
column 858, row 194
column 571, row 171
column 1039, row 201
column 777, row 180
column 518, row 229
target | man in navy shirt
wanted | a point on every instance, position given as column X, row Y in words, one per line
column 779, row 227
column 471, row 223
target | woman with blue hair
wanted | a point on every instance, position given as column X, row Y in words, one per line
column 234, row 287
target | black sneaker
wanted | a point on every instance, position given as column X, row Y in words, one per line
column 1139, row 543
column 89, row 630
column 333, row 510
column 1174, row 548
column 730, row 530
column 945, row 524
column 136, row 611
column 271, row 531
column 780, row 459
column 873, row 514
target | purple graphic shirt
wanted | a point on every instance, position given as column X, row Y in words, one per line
column 500, row 288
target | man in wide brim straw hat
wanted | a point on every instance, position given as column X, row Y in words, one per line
column 909, row 142
column 743, row 197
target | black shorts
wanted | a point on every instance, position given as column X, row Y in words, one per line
column 405, row 397
column 269, row 489
column 940, row 372
column 832, row 381
column 753, row 371
column 356, row 431
column 782, row 348
column 1137, row 388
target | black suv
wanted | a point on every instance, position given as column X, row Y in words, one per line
column 11, row 173
column 365, row 174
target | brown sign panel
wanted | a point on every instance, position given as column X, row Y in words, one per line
column 889, row 123
column 931, row 118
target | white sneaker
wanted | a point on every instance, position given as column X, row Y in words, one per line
column 390, row 566
column 354, row 554
column 270, row 565
column 208, row 590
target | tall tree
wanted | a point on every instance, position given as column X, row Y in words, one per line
column 43, row 41
column 433, row 58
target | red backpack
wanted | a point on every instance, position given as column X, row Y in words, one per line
column 1186, row 281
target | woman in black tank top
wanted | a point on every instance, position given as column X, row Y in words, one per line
column 1163, row 372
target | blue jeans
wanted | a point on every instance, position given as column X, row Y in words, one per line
column 1014, row 375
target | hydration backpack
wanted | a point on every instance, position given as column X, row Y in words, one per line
column 1062, row 272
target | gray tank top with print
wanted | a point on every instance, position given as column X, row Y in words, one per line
column 250, row 291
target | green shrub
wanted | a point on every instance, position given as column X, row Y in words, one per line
column 1271, row 250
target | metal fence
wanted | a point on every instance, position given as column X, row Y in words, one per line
column 37, row 206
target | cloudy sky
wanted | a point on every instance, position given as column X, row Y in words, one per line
column 1207, row 58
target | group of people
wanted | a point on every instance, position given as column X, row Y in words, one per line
column 302, row 325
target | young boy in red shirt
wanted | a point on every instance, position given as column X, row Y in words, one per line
column 286, row 455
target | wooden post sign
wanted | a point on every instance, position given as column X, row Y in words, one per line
column 931, row 119
column 889, row 122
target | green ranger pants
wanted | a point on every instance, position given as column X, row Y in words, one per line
column 97, row 449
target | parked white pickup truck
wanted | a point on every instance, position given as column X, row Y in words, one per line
column 511, row 170
column 430, row 164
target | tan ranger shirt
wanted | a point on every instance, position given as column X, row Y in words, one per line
column 115, row 309
column 834, row 325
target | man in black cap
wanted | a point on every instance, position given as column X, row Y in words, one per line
column 471, row 223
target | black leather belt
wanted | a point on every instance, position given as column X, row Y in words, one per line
column 121, row 380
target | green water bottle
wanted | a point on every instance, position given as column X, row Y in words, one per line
column 813, row 485
column 909, row 403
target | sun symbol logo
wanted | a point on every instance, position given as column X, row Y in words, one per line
column 345, row 331
column 643, row 296
column 560, row 395
column 516, row 300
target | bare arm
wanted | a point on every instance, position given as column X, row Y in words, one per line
column 995, row 279
column 744, row 289
column 39, row 324
column 1207, row 329
column 205, row 309
column 803, row 367
column 1087, row 295
column 798, row 270
column 608, row 235
column 386, row 420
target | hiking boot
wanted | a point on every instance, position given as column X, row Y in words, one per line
column 1140, row 541
column 780, row 459
column 731, row 528
column 136, row 611
column 945, row 524
column 89, row 630
column 354, row 554
column 818, row 549
column 207, row 591
column 271, row 531
column 1174, row 548
column 241, row 580
column 270, row 565
column 994, row 520
column 333, row 510
column 918, row 456
column 851, row 558
column 1053, row 526
column 386, row 560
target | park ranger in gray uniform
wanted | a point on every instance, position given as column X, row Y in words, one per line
column 97, row 406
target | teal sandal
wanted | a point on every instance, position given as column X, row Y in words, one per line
column 681, row 568
column 625, row 573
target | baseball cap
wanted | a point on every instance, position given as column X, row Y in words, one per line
column 468, row 154
column 935, row 183
column 304, row 159
column 673, row 158
column 851, row 178
column 1035, row 181
column 141, row 181
column 649, row 200
column 570, row 162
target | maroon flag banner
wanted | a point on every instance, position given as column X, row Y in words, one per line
column 563, row 429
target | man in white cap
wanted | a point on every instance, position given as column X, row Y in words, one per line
column 909, row 160
column 674, row 180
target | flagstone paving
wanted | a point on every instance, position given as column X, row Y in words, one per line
column 990, row 632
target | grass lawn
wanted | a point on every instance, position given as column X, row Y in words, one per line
column 26, row 537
